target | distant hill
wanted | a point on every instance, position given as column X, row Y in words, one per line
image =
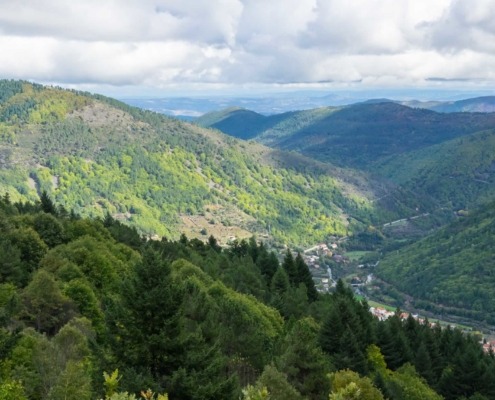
column 450, row 270
column 359, row 135
column 458, row 173
column 97, row 155
column 479, row 104
column 237, row 122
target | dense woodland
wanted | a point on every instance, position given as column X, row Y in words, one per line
column 90, row 309
column 442, row 161
column 97, row 155
column 451, row 270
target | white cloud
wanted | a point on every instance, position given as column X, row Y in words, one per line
column 167, row 43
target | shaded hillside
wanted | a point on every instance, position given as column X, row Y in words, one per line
column 237, row 122
column 96, row 155
column 459, row 173
column 477, row 104
column 359, row 135
column 451, row 270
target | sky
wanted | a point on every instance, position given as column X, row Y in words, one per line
column 181, row 47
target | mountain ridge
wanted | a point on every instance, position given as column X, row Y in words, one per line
column 97, row 155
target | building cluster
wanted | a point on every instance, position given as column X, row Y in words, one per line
column 489, row 346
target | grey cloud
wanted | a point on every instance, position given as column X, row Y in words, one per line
column 465, row 25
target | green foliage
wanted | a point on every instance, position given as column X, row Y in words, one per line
column 303, row 361
column 331, row 134
column 192, row 319
column 458, row 173
column 407, row 385
column 97, row 156
column 348, row 385
column 12, row 390
column 451, row 267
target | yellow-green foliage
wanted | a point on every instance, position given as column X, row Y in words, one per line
column 348, row 385
column 147, row 170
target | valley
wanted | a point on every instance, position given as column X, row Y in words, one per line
column 287, row 226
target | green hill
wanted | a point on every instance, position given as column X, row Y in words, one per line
column 450, row 271
column 237, row 122
column 477, row 104
column 459, row 173
column 359, row 135
column 96, row 155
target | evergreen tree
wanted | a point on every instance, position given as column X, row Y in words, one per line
column 149, row 322
column 290, row 267
column 47, row 204
column 267, row 263
column 304, row 362
column 304, row 276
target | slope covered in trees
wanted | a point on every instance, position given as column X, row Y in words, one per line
column 94, row 154
column 458, row 174
column 81, row 298
column 450, row 270
column 361, row 134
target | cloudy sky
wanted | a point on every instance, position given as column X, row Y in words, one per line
column 181, row 46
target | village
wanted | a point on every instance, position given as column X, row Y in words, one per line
column 322, row 257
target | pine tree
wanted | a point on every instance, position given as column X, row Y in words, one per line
column 47, row 204
column 148, row 326
column 290, row 268
column 267, row 263
column 304, row 276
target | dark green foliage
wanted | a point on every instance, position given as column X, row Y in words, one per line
column 304, row 362
column 47, row 205
column 346, row 331
column 176, row 318
column 149, row 338
column 305, row 277
column 452, row 267
column 290, row 267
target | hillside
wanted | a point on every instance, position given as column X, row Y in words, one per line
column 91, row 310
column 450, row 271
column 237, row 122
column 360, row 135
column 96, row 155
column 458, row 173
column 478, row 104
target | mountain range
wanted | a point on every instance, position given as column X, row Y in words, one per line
column 449, row 156
column 299, row 178
column 96, row 155
column 445, row 157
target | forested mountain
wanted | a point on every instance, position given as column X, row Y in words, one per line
column 90, row 309
column 458, row 173
column 362, row 134
column 93, row 154
column 477, row 104
column 450, row 271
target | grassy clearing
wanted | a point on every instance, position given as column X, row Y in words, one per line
column 357, row 255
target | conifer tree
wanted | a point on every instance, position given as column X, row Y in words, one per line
column 47, row 204
column 148, row 324
column 304, row 276
column 290, row 268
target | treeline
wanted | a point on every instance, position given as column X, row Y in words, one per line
column 80, row 298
